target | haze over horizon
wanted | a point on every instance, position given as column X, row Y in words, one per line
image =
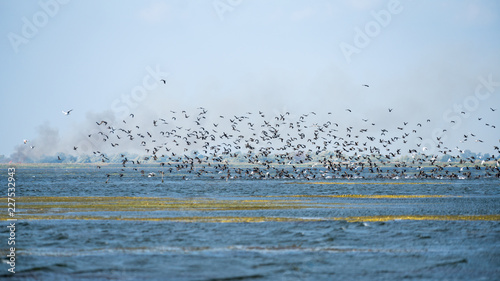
column 436, row 60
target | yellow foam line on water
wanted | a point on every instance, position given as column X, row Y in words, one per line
column 397, row 183
column 59, row 205
column 38, row 205
column 234, row 219
column 26, row 199
column 376, row 196
column 425, row 218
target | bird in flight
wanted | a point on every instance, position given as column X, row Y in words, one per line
column 365, row 85
column 164, row 81
column 67, row 112
column 390, row 109
column 492, row 109
column 25, row 141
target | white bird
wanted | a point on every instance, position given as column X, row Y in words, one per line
column 25, row 141
column 67, row 112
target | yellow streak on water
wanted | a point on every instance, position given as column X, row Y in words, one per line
column 235, row 219
column 65, row 204
column 425, row 218
column 53, row 208
column 376, row 196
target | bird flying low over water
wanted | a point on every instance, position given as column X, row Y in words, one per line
column 67, row 112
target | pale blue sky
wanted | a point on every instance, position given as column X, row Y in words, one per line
column 261, row 55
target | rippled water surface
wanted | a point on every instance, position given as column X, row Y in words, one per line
column 252, row 230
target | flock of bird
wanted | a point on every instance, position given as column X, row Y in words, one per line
column 261, row 146
column 256, row 145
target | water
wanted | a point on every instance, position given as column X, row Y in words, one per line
column 321, row 239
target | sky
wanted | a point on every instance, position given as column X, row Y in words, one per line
column 105, row 59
